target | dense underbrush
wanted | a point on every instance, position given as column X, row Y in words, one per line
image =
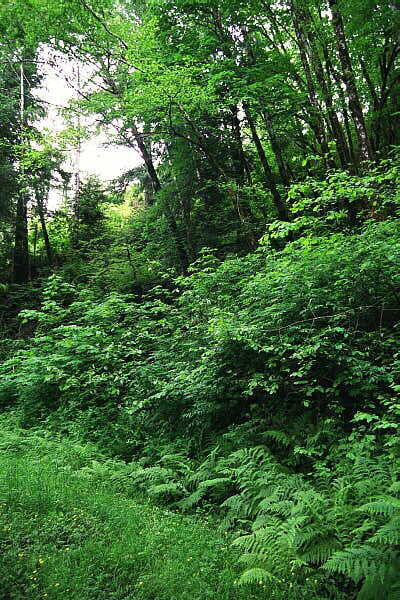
column 264, row 388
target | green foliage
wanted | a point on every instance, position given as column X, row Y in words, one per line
column 222, row 321
column 65, row 531
column 265, row 385
column 312, row 499
column 310, row 326
column 311, row 526
column 341, row 202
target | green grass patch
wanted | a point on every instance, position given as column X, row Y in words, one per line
column 67, row 535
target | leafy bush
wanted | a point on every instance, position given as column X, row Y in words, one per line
column 265, row 385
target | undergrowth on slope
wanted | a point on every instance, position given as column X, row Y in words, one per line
column 263, row 388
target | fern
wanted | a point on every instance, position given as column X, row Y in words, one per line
column 256, row 575
column 155, row 473
column 385, row 505
column 320, row 551
column 213, row 483
column 385, row 584
column 388, row 534
column 166, row 489
column 175, row 461
column 281, row 438
column 191, row 500
column 235, row 503
column 357, row 563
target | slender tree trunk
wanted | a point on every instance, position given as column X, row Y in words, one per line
column 326, row 88
column 148, row 161
column 35, row 237
column 316, row 122
column 42, row 218
column 75, row 233
column 336, row 78
column 279, row 202
column 241, row 163
column 21, row 266
column 382, row 129
column 276, row 148
column 172, row 224
column 366, row 152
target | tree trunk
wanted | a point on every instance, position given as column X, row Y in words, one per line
column 21, row 266
column 49, row 250
column 276, row 148
column 326, row 89
column 268, row 175
column 349, row 81
column 148, row 161
column 316, row 121
column 172, row 224
column 239, row 158
column 335, row 76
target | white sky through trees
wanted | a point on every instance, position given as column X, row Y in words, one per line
column 97, row 157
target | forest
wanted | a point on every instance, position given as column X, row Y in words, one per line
column 199, row 352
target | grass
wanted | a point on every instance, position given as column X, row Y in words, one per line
column 66, row 533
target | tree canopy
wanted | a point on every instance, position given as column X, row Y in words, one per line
column 213, row 329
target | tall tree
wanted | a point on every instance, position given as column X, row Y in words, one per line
column 349, row 81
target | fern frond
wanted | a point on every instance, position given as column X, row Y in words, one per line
column 282, row 507
column 153, row 473
column 165, row 489
column 210, row 483
column 386, row 580
column 385, row 505
column 235, row 502
column 279, row 437
column 262, row 521
column 395, row 487
column 321, row 551
column 388, row 534
column 256, row 543
column 176, row 461
column 250, row 558
column 256, row 575
column 356, row 563
column 366, row 526
column 192, row 500
column 306, row 534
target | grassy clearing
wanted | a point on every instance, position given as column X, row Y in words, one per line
column 67, row 535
